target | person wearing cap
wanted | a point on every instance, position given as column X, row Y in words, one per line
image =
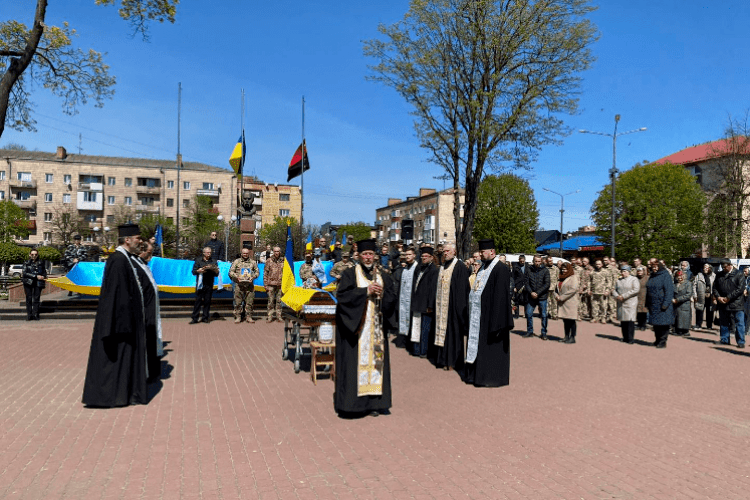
column 728, row 295
column 625, row 294
column 117, row 370
column 75, row 253
column 205, row 269
column 659, row 295
column 423, row 303
column 451, row 310
column 243, row 272
column 490, row 322
column 339, row 267
column 306, row 270
column 365, row 303
column 273, row 273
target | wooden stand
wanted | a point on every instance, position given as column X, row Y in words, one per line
column 323, row 359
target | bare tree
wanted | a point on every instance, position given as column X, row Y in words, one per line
column 66, row 223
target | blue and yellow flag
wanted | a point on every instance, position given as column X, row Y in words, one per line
column 287, row 278
column 237, row 159
column 159, row 239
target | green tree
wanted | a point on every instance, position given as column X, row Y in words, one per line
column 275, row 235
column 148, row 224
column 13, row 221
column 66, row 223
column 10, row 253
column 658, row 213
column 49, row 254
column 488, row 81
column 507, row 213
column 359, row 230
column 202, row 221
column 44, row 56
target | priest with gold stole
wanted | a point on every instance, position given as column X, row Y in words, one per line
column 451, row 311
column 366, row 299
column 490, row 322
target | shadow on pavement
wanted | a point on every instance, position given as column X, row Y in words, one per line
column 619, row 339
column 732, row 351
column 698, row 339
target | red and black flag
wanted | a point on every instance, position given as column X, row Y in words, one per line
column 299, row 158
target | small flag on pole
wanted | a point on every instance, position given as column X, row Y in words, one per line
column 299, row 158
column 237, row 159
column 287, row 276
column 159, row 239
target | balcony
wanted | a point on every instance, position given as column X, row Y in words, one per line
column 148, row 189
column 15, row 183
column 213, row 193
column 90, row 186
column 25, row 204
column 152, row 209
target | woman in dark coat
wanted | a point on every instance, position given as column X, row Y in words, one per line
column 34, row 276
column 683, row 292
column 659, row 295
column 642, row 310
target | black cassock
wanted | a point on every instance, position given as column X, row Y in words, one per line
column 116, row 372
column 350, row 314
column 452, row 352
column 149, row 303
column 491, row 368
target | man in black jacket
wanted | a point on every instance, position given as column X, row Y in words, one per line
column 216, row 246
column 728, row 292
column 520, row 276
column 34, row 280
column 537, row 288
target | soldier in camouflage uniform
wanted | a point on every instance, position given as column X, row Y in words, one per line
column 614, row 275
column 243, row 272
column 75, row 253
column 554, row 274
column 584, row 287
column 600, row 280
column 339, row 267
column 306, row 273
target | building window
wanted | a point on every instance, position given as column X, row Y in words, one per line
column 66, row 198
column 66, row 179
column 110, row 200
column 2, row 175
column 47, row 217
column 89, row 218
column 110, row 219
column 89, row 238
column 24, row 176
column 47, row 197
column 89, row 196
column 47, row 236
column 283, row 197
column 49, row 178
column 111, row 181
column 185, row 203
column 284, row 212
column 186, row 186
column 170, row 184
column 170, row 202
column 2, row 195
column 128, row 200
column 208, row 185
column 128, row 182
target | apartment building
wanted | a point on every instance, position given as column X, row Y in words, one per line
column 100, row 186
column 270, row 201
column 431, row 211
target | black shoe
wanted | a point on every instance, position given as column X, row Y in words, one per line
column 570, row 340
column 192, row 322
column 528, row 335
column 661, row 345
column 740, row 346
column 205, row 320
column 544, row 337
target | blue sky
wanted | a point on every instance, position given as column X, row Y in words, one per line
column 675, row 67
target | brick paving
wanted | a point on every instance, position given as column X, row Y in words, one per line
column 598, row 419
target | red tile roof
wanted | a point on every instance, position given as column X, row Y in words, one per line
column 699, row 153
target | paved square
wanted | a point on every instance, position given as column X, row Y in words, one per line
column 598, row 419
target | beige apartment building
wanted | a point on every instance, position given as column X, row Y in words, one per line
column 98, row 186
column 431, row 211
column 270, row 201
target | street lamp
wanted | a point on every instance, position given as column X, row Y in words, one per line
column 562, row 210
column 220, row 218
column 613, row 170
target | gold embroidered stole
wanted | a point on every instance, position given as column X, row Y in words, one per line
column 441, row 302
column 371, row 345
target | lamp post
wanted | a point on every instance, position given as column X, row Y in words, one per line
column 220, row 218
column 562, row 210
column 613, row 171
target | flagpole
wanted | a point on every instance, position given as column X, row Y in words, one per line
column 179, row 164
column 302, row 175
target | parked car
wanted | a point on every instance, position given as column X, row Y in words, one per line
column 15, row 270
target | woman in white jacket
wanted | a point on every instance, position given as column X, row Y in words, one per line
column 626, row 294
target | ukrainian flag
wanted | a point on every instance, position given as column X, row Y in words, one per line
column 287, row 278
column 237, row 159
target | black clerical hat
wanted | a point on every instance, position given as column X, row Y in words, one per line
column 128, row 230
column 487, row 244
column 364, row 245
column 427, row 249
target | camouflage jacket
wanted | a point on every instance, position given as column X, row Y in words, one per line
column 240, row 268
column 273, row 272
column 338, row 269
column 73, row 252
column 306, row 272
column 554, row 274
column 600, row 280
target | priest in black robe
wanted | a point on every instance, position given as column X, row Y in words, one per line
column 117, row 368
column 423, row 303
column 451, row 311
column 490, row 322
column 365, row 303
